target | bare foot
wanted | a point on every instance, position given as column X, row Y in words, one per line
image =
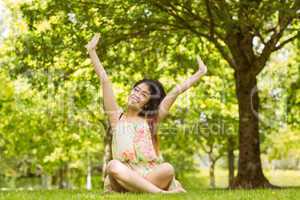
column 176, row 190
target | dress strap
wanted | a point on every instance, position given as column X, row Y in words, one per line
column 120, row 115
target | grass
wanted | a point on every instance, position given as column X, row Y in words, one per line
column 196, row 185
column 203, row 194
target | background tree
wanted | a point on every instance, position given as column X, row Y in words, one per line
column 244, row 32
column 138, row 35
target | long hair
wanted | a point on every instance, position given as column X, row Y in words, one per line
column 150, row 109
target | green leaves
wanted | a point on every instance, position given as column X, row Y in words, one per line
column 51, row 106
column 6, row 89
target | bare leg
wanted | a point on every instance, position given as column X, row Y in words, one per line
column 162, row 176
column 115, row 185
column 129, row 179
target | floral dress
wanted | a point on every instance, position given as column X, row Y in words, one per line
column 132, row 145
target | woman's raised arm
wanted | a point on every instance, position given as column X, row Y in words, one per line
column 170, row 98
column 110, row 104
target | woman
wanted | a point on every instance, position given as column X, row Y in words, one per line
column 136, row 164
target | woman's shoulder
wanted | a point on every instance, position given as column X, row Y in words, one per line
column 118, row 115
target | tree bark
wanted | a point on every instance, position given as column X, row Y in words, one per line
column 212, row 179
column 107, row 151
column 46, row 181
column 89, row 176
column 230, row 156
column 250, row 174
column 61, row 178
column 63, row 175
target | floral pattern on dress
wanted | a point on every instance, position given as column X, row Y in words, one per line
column 143, row 145
column 128, row 156
column 132, row 144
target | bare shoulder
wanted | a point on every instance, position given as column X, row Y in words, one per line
column 114, row 122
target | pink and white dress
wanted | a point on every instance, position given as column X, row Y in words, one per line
column 132, row 145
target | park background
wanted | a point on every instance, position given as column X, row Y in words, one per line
column 53, row 130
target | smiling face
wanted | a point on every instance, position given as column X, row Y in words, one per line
column 139, row 96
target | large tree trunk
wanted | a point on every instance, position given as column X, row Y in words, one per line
column 250, row 174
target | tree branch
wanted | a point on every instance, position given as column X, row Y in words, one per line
column 284, row 20
column 286, row 41
column 224, row 9
column 225, row 55
column 171, row 10
column 260, row 37
column 194, row 15
column 211, row 19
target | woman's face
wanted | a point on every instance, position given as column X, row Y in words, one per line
column 139, row 96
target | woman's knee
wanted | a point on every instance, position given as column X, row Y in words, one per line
column 168, row 169
column 114, row 168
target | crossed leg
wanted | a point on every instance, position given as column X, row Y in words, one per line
column 124, row 179
column 129, row 179
column 162, row 175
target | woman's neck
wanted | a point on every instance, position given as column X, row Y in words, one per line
column 131, row 113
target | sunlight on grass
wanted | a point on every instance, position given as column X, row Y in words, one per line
column 203, row 194
column 196, row 185
column 284, row 177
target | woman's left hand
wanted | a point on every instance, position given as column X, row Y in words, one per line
column 202, row 67
column 92, row 45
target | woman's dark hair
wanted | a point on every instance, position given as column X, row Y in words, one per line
column 150, row 109
column 157, row 92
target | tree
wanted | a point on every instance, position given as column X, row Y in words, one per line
column 293, row 104
column 244, row 32
column 214, row 111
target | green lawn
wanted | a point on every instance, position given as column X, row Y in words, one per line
column 201, row 194
column 196, row 186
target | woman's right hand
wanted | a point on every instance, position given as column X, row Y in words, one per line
column 92, row 45
column 202, row 67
